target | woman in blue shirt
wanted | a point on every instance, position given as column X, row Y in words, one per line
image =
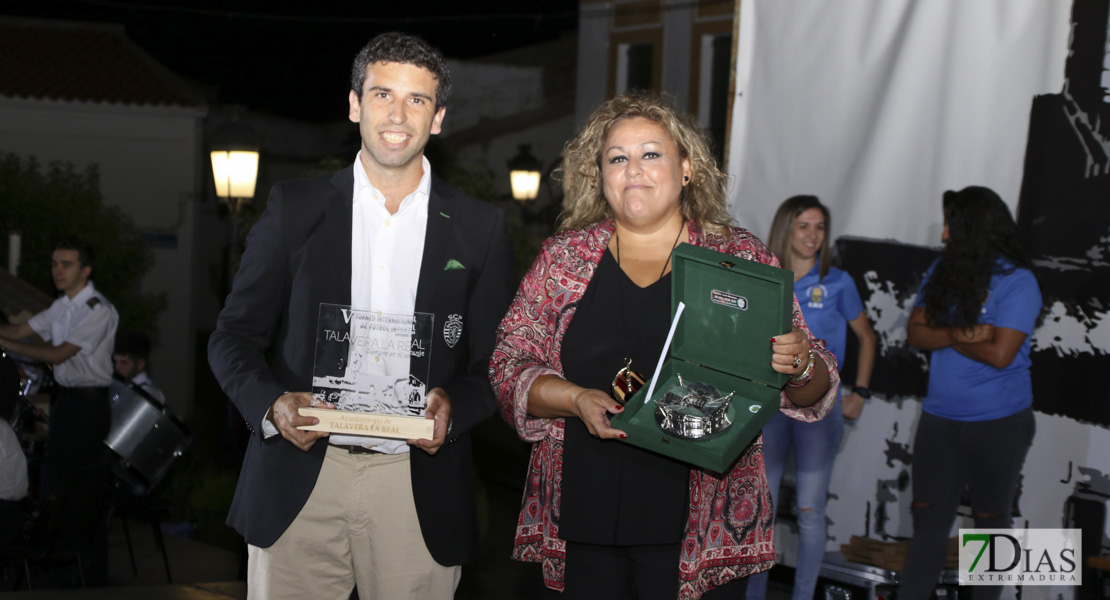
column 831, row 305
column 976, row 311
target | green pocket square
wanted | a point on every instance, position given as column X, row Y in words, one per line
column 453, row 265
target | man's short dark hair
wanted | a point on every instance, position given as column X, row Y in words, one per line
column 405, row 49
column 84, row 251
column 134, row 345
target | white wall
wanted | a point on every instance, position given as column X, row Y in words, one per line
column 485, row 91
column 593, row 59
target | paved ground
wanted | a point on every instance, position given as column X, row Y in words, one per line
column 204, row 572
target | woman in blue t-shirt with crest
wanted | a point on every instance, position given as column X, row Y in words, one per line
column 976, row 310
column 831, row 306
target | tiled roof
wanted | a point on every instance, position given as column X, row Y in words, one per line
column 81, row 62
column 19, row 299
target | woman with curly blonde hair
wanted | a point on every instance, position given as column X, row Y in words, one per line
column 704, row 195
column 606, row 519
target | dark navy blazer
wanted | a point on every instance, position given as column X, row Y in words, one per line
column 298, row 256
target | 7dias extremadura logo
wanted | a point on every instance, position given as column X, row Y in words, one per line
column 1020, row 557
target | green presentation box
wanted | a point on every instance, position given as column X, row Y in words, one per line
column 733, row 309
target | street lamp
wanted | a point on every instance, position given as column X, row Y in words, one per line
column 524, row 174
column 234, row 164
column 234, row 155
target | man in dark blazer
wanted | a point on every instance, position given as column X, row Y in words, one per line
column 320, row 516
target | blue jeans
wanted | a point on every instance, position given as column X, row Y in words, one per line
column 815, row 446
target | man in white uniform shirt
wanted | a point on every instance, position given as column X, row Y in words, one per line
column 75, row 335
column 394, row 517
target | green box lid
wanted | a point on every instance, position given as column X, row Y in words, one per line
column 733, row 309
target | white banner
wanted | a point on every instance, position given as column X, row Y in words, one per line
column 878, row 106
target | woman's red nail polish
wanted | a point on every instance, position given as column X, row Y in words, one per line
column 624, row 436
column 772, row 340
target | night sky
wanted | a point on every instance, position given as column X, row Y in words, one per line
column 293, row 58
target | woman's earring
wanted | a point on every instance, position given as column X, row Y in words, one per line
column 686, row 179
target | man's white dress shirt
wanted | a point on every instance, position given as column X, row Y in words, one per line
column 386, row 253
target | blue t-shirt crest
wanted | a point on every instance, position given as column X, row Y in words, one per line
column 828, row 304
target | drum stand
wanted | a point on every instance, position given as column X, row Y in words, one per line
column 132, row 502
column 145, row 439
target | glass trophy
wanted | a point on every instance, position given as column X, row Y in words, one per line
column 373, row 366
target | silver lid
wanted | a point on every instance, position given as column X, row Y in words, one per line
column 693, row 410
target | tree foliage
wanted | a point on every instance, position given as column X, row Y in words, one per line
column 45, row 204
column 477, row 180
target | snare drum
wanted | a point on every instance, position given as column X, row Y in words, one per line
column 146, row 438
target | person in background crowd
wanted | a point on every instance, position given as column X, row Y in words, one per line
column 976, row 310
column 13, row 483
column 831, row 306
column 76, row 335
column 130, row 359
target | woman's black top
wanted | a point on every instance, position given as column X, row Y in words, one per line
column 614, row 493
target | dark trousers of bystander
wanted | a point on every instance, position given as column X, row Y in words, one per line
column 984, row 456
column 80, row 418
column 79, row 422
column 11, row 522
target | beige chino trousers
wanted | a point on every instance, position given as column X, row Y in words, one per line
column 359, row 526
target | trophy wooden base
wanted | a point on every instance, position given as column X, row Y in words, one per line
column 372, row 424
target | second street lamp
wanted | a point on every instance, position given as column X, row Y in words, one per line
column 524, row 174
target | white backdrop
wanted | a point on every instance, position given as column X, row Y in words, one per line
column 878, row 106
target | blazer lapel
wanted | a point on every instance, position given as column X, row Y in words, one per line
column 437, row 245
column 338, row 211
